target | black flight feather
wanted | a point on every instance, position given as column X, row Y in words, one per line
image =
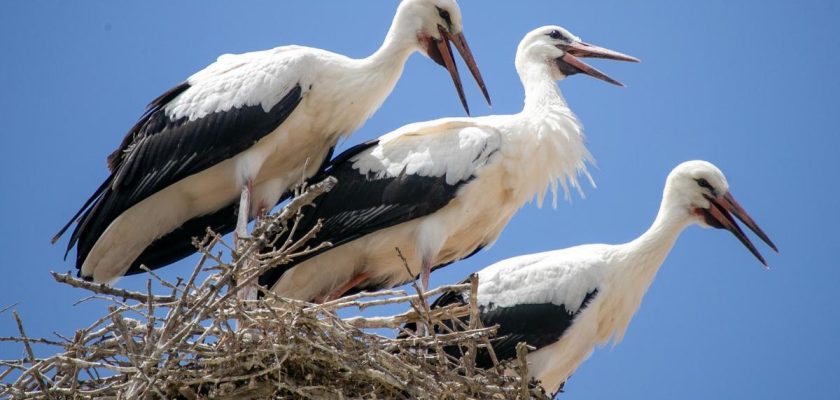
column 159, row 151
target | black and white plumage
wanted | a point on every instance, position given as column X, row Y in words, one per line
column 538, row 324
column 566, row 302
column 247, row 127
column 440, row 190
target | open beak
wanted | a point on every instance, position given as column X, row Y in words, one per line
column 719, row 215
column 577, row 50
column 440, row 51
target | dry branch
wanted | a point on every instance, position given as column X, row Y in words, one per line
column 182, row 345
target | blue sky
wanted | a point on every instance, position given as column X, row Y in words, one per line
column 750, row 86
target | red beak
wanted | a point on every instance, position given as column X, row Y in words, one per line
column 581, row 49
column 719, row 215
column 440, row 52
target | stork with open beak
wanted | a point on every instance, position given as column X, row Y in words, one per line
column 441, row 190
column 247, row 127
column 566, row 302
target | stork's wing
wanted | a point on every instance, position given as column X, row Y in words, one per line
column 163, row 150
column 178, row 244
column 539, row 325
column 446, row 298
column 404, row 175
column 218, row 113
column 535, row 298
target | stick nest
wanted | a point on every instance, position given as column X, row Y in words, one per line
column 204, row 339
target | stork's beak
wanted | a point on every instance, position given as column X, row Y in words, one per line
column 719, row 215
column 577, row 50
column 440, row 51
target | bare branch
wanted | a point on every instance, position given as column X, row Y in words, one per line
column 180, row 343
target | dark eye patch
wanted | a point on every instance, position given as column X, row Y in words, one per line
column 555, row 34
column 445, row 15
column 702, row 182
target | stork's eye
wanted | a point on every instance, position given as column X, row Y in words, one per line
column 703, row 183
column 555, row 34
column 445, row 15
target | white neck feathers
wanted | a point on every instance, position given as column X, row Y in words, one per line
column 651, row 248
column 549, row 136
column 637, row 262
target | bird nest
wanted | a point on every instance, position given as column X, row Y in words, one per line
column 204, row 338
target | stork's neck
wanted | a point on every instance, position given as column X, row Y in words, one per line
column 370, row 80
column 648, row 251
column 367, row 82
column 399, row 44
column 634, row 265
column 393, row 53
column 548, row 136
column 542, row 95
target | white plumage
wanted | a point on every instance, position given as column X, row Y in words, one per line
column 539, row 278
column 467, row 177
column 452, row 148
column 249, row 125
column 592, row 291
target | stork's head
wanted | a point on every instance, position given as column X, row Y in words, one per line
column 700, row 188
column 435, row 24
column 561, row 51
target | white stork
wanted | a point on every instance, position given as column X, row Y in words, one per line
column 565, row 302
column 247, row 127
column 443, row 189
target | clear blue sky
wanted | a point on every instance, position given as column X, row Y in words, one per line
column 749, row 85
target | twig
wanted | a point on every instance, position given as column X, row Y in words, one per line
column 31, row 340
column 180, row 343
column 395, row 321
column 521, row 353
column 35, row 373
column 9, row 307
column 101, row 288
column 421, row 296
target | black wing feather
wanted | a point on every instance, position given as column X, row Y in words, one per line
column 360, row 204
column 162, row 144
column 178, row 244
column 93, row 198
column 539, row 325
column 155, row 106
column 159, row 151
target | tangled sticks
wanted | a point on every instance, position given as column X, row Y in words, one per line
column 185, row 344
